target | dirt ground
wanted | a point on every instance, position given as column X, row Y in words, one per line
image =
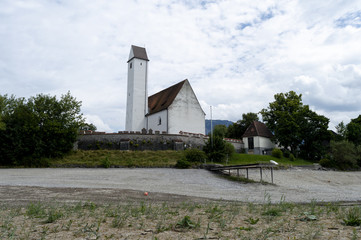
column 111, row 204
column 23, row 195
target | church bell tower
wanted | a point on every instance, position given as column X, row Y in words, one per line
column 137, row 96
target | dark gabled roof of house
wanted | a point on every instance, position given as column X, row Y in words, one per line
column 257, row 128
column 139, row 52
column 163, row 99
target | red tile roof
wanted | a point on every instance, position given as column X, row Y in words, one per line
column 163, row 99
column 257, row 128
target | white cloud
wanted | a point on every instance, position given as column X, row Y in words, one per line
column 236, row 54
column 98, row 122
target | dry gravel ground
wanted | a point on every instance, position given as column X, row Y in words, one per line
column 110, row 204
column 296, row 185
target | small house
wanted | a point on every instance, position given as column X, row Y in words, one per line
column 257, row 139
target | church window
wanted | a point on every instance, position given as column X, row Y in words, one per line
column 140, row 64
column 130, row 65
column 159, row 121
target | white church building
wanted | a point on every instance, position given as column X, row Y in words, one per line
column 172, row 110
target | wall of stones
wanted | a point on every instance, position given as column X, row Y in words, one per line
column 89, row 140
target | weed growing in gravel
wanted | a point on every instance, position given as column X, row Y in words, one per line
column 353, row 216
column 53, row 215
column 35, row 210
column 152, row 220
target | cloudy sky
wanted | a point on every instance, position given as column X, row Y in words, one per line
column 236, row 54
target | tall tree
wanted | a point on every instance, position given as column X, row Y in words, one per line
column 220, row 131
column 341, row 132
column 353, row 131
column 295, row 126
column 237, row 129
column 88, row 127
column 40, row 127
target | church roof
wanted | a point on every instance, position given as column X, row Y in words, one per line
column 138, row 52
column 257, row 128
column 163, row 99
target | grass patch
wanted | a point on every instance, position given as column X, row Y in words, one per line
column 167, row 158
column 239, row 179
column 116, row 158
column 242, row 158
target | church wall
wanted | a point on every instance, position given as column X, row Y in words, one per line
column 158, row 121
column 185, row 113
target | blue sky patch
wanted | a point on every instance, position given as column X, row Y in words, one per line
column 242, row 26
column 349, row 19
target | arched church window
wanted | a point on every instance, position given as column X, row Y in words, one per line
column 159, row 121
column 130, row 65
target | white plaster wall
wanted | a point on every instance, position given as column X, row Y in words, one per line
column 153, row 121
column 259, row 142
column 245, row 141
column 137, row 97
column 265, row 143
column 185, row 113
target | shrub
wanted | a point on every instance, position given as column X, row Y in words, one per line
column 277, row 153
column 215, row 149
column 183, row 163
column 327, row 163
column 344, row 155
column 286, row 153
column 292, row 157
column 194, row 155
column 229, row 149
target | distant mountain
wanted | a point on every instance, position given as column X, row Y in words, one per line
column 216, row 122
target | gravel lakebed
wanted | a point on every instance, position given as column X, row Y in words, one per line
column 294, row 185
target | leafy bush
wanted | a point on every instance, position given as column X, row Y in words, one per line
column 229, row 149
column 344, row 155
column 215, row 149
column 286, row 153
column 194, row 155
column 327, row 163
column 37, row 128
column 292, row 157
column 183, row 163
column 277, row 153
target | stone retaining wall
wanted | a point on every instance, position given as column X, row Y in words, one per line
column 89, row 140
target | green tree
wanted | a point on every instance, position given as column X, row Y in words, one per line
column 353, row 131
column 88, row 127
column 237, row 129
column 220, row 131
column 343, row 155
column 215, row 149
column 295, row 126
column 39, row 127
column 341, row 130
column 2, row 107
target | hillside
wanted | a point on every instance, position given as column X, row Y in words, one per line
column 216, row 122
